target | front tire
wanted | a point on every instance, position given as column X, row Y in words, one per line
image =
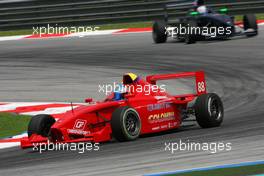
column 159, row 34
column 209, row 110
column 40, row 124
column 125, row 124
column 250, row 22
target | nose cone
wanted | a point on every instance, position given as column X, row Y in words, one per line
column 63, row 121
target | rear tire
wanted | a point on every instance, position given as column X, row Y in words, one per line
column 250, row 22
column 40, row 124
column 125, row 124
column 191, row 38
column 159, row 34
column 209, row 110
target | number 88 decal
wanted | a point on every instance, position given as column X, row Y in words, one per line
column 201, row 86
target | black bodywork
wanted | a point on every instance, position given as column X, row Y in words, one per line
column 211, row 20
column 208, row 20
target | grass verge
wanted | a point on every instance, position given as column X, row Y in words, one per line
column 236, row 171
column 15, row 32
column 102, row 27
column 125, row 25
column 260, row 16
column 106, row 27
column 11, row 124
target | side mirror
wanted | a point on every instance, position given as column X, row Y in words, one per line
column 194, row 13
column 223, row 10
column 88, row 100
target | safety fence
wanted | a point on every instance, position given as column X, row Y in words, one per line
column 26, row 14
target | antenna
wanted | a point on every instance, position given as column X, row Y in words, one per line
column 72, row 107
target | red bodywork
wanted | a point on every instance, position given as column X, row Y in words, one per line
column 158, row 111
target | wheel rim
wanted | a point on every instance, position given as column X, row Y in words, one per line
column 215, row 108
column 132, row 123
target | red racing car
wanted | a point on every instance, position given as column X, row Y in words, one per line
column 125, row 115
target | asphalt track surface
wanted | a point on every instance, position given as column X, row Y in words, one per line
column 70, row 69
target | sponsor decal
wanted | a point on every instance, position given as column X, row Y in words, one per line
column 164, row 126
column 79, row 124
column 80, row 132
column 155, row 128
column 160, row 97
column 169, row 125
column 161, row 116
column 158, row 106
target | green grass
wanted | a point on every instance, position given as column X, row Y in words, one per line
column 236, row 171
column 106, row 26
column 102, row 27
column 259, row 16
column 16, row 32
column 11, row 124
column 125, row 25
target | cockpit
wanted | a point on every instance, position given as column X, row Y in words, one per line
column 129, row 79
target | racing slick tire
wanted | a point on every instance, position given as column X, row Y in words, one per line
column 209, row 110
column 250, row 22
column 40, row 124
column 191, row 38
column 125, row 124
column 159, row 34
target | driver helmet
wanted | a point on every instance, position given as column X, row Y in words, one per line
column 202, row 9
column 200, row 6
column 130, row 78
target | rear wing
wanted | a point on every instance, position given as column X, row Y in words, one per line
column 199, row 79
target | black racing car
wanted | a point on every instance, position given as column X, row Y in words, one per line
column 201, row 23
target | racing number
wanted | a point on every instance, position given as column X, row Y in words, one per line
column 201, row 86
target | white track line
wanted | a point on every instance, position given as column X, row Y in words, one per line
column 18, row 37
column 102, row 32
column 5, row 145
column 13, row 106
column 58, row 110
